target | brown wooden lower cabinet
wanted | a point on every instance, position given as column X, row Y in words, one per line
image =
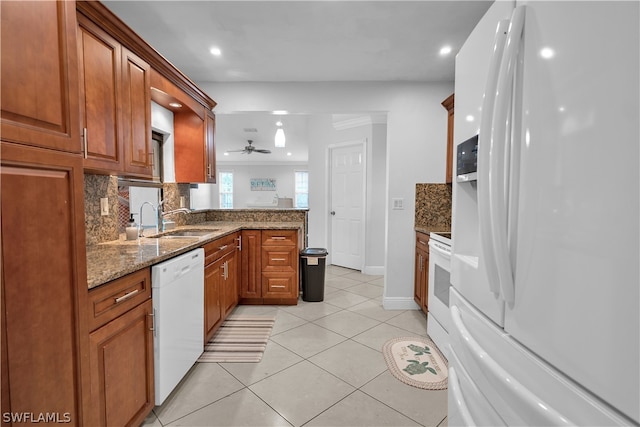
column 44, row 328
column 421, row 275
column 270, row 265
column 121, row 352
column 220, row 282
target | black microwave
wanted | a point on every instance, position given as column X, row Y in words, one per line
column 467, row 160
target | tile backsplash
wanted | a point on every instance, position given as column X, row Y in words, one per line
column 433, row 207
column 98, row 228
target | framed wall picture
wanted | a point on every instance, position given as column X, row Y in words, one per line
column 263, row 184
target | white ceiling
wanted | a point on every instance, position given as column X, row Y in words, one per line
column 301, row 41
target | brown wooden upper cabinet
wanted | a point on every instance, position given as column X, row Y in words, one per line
column 39, row 74
column 193, row 132
column 115, row 104
column 448, row 104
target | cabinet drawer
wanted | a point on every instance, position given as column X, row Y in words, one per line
column 279, row 285
column 422, row 241
column 279, row 237
column 279, row 258
column 220, row 247
column 117, row 297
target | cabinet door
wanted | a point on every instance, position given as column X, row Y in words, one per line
column 122, row 369
column 230, row 283
column 210, row 127
column 212, row 301
column 251, row 265
column 136, row 107
column 417, row 278
column 44, row 343
column 39, row 74
column 425, row 281
column 100, row 62
column 449, row 105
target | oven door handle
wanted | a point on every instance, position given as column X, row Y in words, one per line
column 439, row 249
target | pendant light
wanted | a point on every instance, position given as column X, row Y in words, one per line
column 280, row 138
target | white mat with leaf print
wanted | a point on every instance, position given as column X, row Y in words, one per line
column 416, row 361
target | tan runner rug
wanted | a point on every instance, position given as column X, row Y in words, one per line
column 239, row 339
column 416, row 361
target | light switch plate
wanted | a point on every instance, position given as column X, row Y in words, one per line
column 104, row 206
column 398, row 204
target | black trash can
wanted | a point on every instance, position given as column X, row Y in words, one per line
column 312, row 264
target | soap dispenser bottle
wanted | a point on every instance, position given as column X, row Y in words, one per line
column 132, row 229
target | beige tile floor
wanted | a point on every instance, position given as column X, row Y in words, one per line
column 323, row 366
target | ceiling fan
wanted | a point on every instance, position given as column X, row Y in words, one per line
column 250, row 149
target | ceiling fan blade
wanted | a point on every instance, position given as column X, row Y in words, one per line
column 262, row 151
column 236, row 151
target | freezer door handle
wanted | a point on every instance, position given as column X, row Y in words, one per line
column 503, row 383
column 485, row 139
column 458, row 398
column 499, row 178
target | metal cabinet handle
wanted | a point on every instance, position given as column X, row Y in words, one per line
column 126, row 296
column 422, row 242
column 278, row 286
column 223, row 247
column 239, row 239
column 333, row 212
column 278, row 259
column 209, row 170
column 153, row 321
column 84, row 142
column 278, row 238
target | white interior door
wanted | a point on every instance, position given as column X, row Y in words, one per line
column 347, row 205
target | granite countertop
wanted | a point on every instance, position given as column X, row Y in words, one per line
column 111, row 260
column 427, row 229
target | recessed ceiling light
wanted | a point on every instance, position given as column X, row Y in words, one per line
column 278, row 123
column 280, row 112
column 547, row 53
column 445, row 50
column 226, row 153
column 215, row 51
column 289, row 154
column 175, row 105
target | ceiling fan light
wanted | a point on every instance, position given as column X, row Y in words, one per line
column 280, row 138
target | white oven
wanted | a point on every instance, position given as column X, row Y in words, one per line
column 438, row 317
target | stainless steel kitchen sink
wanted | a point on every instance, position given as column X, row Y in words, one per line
column 178, row 234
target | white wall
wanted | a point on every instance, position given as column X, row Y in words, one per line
column 206, row 195
column 416, row 151
column 162, row 121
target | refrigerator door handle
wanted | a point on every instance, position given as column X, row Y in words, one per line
column 498, row 176
column 504, row 384
column 484, row 142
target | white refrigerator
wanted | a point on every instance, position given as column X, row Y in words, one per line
column 545, row 296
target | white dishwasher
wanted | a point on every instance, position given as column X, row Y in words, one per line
column 178, row 307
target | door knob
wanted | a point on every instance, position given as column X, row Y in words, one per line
column 333, row 212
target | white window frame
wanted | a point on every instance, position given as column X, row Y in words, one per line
column 220, row 193
column 295, row 192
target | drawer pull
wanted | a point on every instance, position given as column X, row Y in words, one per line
column 126, row 296
column 422, row 243
column 278, row 238
column 278, row 286
column 223, row 247
column 278, row 259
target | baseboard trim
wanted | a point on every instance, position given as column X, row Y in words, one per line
column 399, row 303
column 374, row 270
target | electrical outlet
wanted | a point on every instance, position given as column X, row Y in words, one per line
column 398, row 204
column 104, row 206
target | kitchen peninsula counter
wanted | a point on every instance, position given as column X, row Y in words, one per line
column 111, row 260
